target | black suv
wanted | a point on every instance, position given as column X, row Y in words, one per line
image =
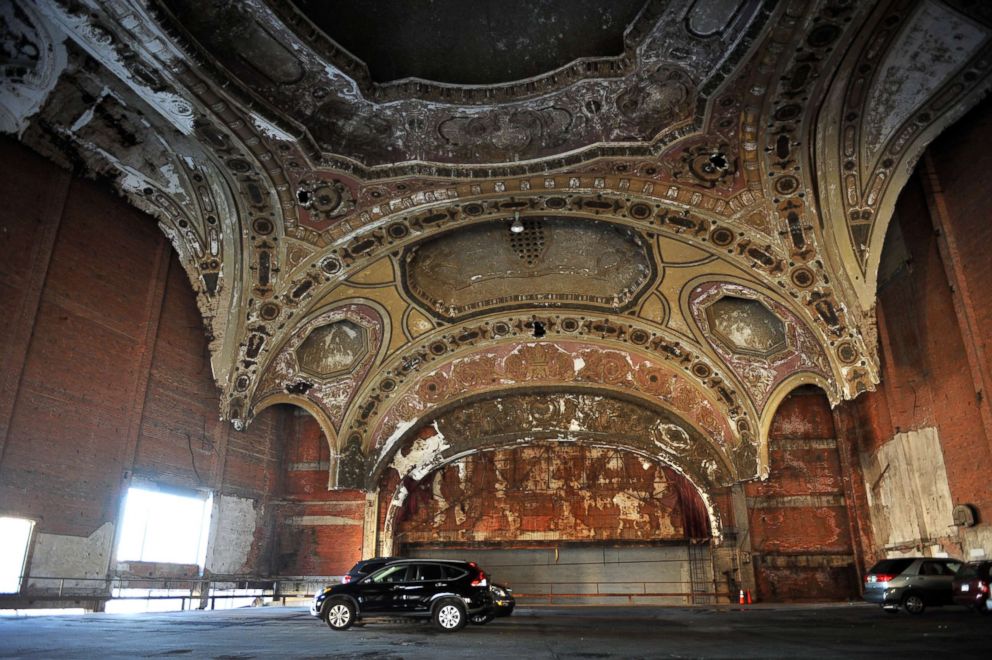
column 447, row 591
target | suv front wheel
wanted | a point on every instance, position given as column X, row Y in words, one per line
column 340, row 614
column 449, row 615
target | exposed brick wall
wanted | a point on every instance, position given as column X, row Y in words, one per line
column 110, row 375
column 965, row 434
column 935, row 326
column 799, row 521
column 320, row 532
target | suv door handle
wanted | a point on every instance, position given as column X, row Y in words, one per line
column 439, row 584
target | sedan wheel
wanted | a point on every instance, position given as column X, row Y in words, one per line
column 340, row 614
column 449, row 615
column 913, row 603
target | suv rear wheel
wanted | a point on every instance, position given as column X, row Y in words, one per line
column 449, row 615
column 340, row 614
column 913, row 603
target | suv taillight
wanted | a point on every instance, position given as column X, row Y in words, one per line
column 480, row 580
column 983, row 586
column 346, row 579
column 880, row 577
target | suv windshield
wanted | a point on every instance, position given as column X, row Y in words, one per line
column 891, row 566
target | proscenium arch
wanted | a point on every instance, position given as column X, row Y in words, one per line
column 724, row 470
column 378, row 425
column 429, row 449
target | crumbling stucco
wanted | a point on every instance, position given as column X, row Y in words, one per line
column 237, row 518
column 82, row 557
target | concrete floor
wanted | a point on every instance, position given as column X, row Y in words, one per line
column 779, row 631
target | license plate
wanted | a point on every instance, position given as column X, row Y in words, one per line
column 965, row 587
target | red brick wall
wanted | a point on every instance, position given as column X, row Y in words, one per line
column 105, row 370
column 935, row 317
column 319, row 532
column 799, row 524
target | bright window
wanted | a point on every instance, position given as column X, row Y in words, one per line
column 16, row 533
column 164, row 527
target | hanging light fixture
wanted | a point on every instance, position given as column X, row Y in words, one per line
column 517, row 226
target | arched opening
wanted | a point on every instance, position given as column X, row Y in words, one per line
column 317, row 531
column 563, row 522
column 568, row 496
column 800, row 523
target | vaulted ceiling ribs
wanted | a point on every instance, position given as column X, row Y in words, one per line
column 701, row 200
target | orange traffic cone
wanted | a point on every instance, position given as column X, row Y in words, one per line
column 741, row 598
column 748, row 596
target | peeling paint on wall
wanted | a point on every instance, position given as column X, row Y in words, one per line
column 932, row 46
column 545, row 493
column 422, row 456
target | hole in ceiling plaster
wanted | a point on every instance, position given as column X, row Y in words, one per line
column 719, row 161
column 539, row 330
column 303, row 196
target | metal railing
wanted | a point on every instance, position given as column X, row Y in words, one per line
column 203, row 590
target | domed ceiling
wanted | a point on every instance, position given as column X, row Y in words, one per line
column 485, row 42
column 389, row 209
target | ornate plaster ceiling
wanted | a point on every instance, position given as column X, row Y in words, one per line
column 347, row 232
column 485, row 42
column 550, row 262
